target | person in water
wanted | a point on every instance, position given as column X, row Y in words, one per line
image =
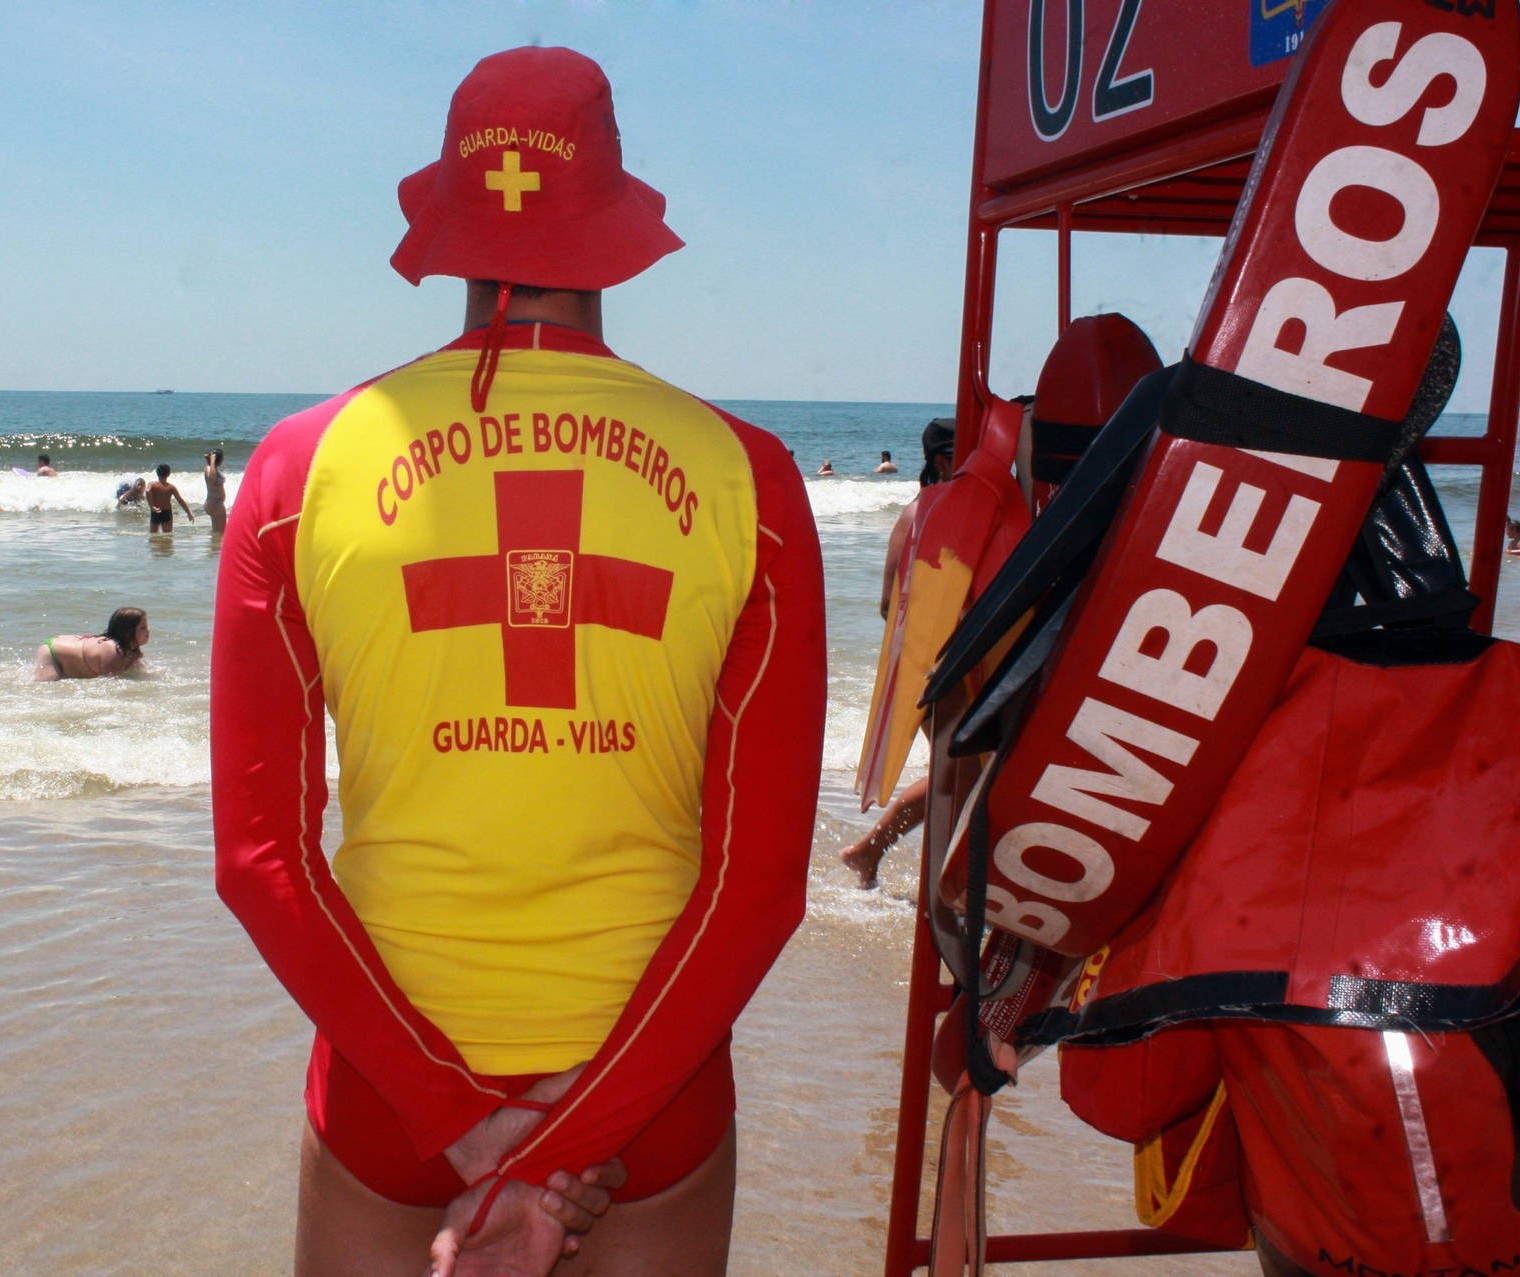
column 886, row 465
column 906, row 810
column 131, row 494
column 45, row 466
column 826, row 468
column 216, row 491
column 576, row 826
column 117, row 651
column 161, row 498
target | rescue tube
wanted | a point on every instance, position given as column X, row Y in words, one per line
column 1273, row 438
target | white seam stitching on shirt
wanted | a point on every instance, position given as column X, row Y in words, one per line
column 307, row 851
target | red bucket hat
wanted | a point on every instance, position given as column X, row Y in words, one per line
column 530, row 187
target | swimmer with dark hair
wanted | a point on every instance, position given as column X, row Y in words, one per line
column 161, row 498
column 117, row 651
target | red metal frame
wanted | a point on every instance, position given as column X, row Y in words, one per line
column 1176, row 167
column 929, row 995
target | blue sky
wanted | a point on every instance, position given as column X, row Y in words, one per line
column 202, row 196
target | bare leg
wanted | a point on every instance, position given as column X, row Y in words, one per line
column 904, row 813
column 345, row 1230
column 682, row 1232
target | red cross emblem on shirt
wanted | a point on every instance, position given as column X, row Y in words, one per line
column 538, row 587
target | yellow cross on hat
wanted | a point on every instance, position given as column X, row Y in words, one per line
column 511, row 181
column 589, row 226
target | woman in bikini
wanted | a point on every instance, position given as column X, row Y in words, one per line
column 117, row 651
column 216, row 491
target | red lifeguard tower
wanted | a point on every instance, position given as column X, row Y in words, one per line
column 1106, row 116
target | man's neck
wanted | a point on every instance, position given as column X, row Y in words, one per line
column 579, row 310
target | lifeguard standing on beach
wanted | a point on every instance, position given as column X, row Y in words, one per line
column 568, row 622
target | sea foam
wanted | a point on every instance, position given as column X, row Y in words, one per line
column 93, row 491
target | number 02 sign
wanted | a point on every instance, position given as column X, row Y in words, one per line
column 1069, row 76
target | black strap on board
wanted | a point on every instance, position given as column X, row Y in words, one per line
column 1208, row 405
column 983, row 1073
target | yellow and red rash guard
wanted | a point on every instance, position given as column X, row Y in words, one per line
column 573, row 649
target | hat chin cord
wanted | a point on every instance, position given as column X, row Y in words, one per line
column 490, row 352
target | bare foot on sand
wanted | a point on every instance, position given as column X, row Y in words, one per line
column 863, row 857
column 904, row 813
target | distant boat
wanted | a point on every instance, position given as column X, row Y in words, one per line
column 163, row 392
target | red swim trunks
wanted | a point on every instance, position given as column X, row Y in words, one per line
column 1379, row 1153
column 361, row 1131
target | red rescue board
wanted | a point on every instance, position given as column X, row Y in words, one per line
column 1375, row 171
column 962, row 532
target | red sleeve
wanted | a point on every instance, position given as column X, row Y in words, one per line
column 759, row 798
column 269, row 787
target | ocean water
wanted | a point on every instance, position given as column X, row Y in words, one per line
column 78, row 558
column 73, row 558
column 152, row 1068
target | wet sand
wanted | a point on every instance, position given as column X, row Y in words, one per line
column 153, row 1069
